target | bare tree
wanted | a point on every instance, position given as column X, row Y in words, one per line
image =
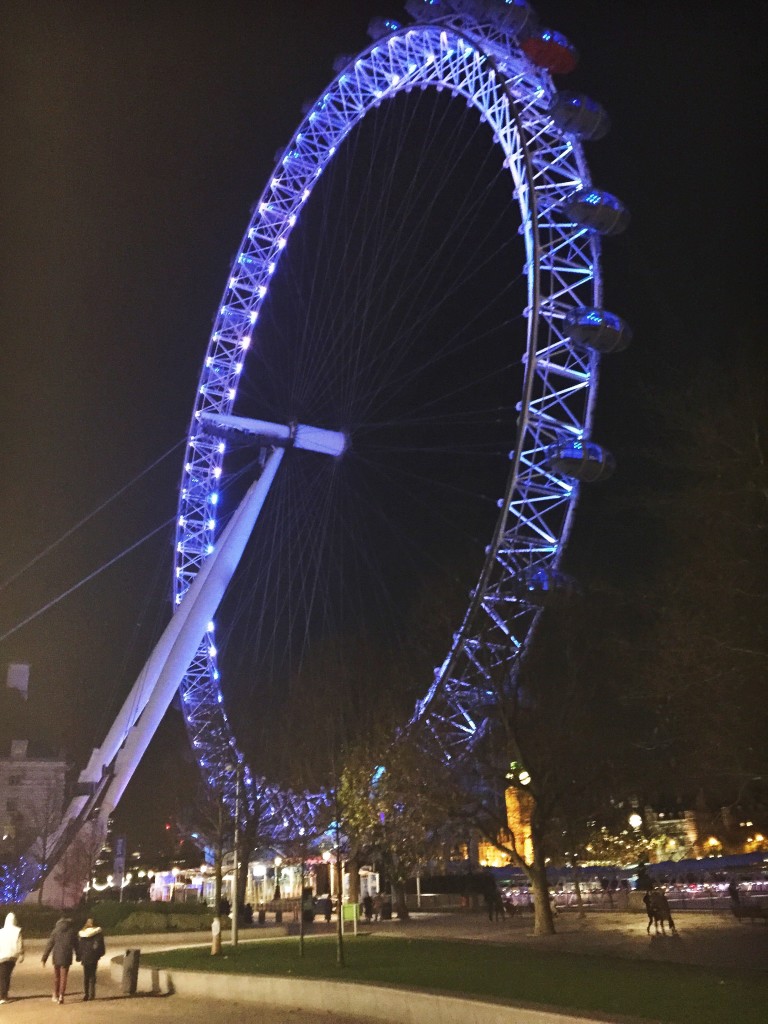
column 75, row 867
column 708, row 650
column 560, row 737
column 207, row 818
column 42, row 820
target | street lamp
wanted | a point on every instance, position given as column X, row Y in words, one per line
column 237, row 768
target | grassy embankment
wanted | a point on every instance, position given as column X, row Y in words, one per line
column 664, row 992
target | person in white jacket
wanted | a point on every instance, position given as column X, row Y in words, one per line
column 11, row 950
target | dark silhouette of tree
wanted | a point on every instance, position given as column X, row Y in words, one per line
column 562, row 737
column 708, row 655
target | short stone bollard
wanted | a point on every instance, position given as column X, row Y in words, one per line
column 131, row 971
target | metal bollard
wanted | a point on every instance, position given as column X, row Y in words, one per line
column 131, row 971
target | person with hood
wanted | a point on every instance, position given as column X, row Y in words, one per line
column 60, row 947
column 11, row 950
column 90, row 949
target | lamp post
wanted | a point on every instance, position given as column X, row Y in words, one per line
column 237, row 768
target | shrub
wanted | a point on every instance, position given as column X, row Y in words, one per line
column 115, row 918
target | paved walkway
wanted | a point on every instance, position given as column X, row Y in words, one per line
column 709, row 940
column 705, row 939
column 31, row 998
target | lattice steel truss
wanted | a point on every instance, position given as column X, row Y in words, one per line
column 472, row 50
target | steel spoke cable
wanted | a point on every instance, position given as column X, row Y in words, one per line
column 91, row 515
column 87, row 579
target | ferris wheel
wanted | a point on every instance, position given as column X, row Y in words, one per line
column 496, row 59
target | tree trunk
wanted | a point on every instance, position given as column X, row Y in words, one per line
column 216, row 935
column 543, row 922
column 353, row 868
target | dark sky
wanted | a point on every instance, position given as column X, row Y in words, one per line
column 136, row 138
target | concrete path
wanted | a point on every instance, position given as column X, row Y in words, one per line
column 30, row 996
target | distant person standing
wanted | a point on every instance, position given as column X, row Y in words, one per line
column 661, row 911
column 489, row 896
column 60, row 947
column 648, row 909
column 90, row 949
column 11, row 950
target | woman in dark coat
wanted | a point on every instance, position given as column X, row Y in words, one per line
column 90, row 949
column 61, row 948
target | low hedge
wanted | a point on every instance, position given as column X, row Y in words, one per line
column 116, row 918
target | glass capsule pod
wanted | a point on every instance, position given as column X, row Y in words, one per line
column 516, row 16
column 598, row 211
column 545, row 588
column 550, row 50
column 591, row 328
column 579, row 115
column 379, row 27
column 580, row 460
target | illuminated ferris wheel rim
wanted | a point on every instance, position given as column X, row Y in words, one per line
column 482, row 61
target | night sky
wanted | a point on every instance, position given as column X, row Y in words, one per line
column 137, row 136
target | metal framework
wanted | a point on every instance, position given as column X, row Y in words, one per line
column 472, row 49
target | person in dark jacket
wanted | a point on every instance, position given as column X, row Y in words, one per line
column 90, row 949
column 61, row 948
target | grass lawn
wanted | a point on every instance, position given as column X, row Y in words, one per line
column 674, row 993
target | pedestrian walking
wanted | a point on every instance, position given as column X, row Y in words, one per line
column 90, row 949
column 368, row 907
column 553, row 905
column 60, row 947
column 661, row 912
column 648, row 910
column 493, row 901
column 11, row 952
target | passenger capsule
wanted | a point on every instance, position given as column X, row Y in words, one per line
column 517, row 16
column 580, row 460
column 379, row 27
column 597, row 329
column 598, row 211
column 550, row 50
column 415, row 8
column 341, row 61
column 546, row 588
column 579, row 115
